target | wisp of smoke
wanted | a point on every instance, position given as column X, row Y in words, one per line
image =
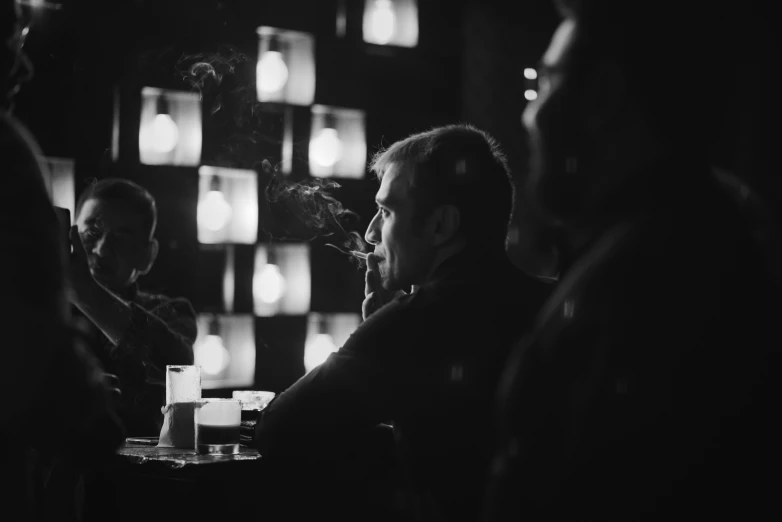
column 205, row 71
column 314, row 208
column 304, row 210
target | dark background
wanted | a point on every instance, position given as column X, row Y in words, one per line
column 467, row 67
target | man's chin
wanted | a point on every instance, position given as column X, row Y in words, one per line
column 389, row 285
column 105, row 280
column 394, row 286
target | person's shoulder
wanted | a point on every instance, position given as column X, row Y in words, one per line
column 21, row 153
column 398, row 311
column 398, row 318
column 14, row 133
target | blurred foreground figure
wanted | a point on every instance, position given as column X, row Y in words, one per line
column 56, row 406
column 648, row 388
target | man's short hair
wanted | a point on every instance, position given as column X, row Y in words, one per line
column 458, row 165
column 126, row 191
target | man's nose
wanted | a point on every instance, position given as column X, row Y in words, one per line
column 372, row 236
column 102, row 247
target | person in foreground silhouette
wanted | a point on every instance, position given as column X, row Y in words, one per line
column 57, row 404
column 646, row 389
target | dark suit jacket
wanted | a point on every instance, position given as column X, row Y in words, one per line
column 56, row 404
column 161, row 333
column 428, row 363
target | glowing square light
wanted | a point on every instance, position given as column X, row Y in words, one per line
column 282, row 279
column 326, row 333
column 170, row 128
column 60, row 184
column 337, row 145
column 227, row 205
column 225, row 350
column 285, row 71
column 391, row 22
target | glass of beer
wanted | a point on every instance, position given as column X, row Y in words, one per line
column 217, row 424
column 253, row 402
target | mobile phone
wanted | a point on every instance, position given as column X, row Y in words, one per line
column 64, row 216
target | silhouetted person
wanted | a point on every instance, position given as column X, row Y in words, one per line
column 435, row 335
column 647, row 389
column 56, row 406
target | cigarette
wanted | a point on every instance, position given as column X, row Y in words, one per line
column 360, row 255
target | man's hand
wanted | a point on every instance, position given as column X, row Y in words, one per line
column 375, row 295
column 79, row 270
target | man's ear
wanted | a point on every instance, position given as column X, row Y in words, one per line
column 446, row 224
column 150, row 256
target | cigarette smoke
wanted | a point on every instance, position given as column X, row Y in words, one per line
column 300, row 210
column 308, row 209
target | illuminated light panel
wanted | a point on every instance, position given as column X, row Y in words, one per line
column 282, row 281
column 337, row 147
column 391, row 22
column 228, row 359
column 227, row 209
column 326, row 333
column 172, row 137
column 285, row 71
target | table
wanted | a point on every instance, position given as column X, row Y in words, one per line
column 145, row 482
column 175, row 458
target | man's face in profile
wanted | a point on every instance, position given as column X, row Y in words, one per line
column 15, row 67
column 115, row 240
column 403, row 246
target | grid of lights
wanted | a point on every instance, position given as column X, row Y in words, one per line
column 227, row 209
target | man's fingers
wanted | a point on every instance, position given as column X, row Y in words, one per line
column 366, row 307
column 372, row 276
column 78, row 247
column 370, row 305
column 370, row 282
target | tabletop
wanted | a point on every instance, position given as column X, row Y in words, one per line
column 141, row 474
column 178, row 458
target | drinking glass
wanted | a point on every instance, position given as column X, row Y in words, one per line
column 217, row 424
column 253, row 402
